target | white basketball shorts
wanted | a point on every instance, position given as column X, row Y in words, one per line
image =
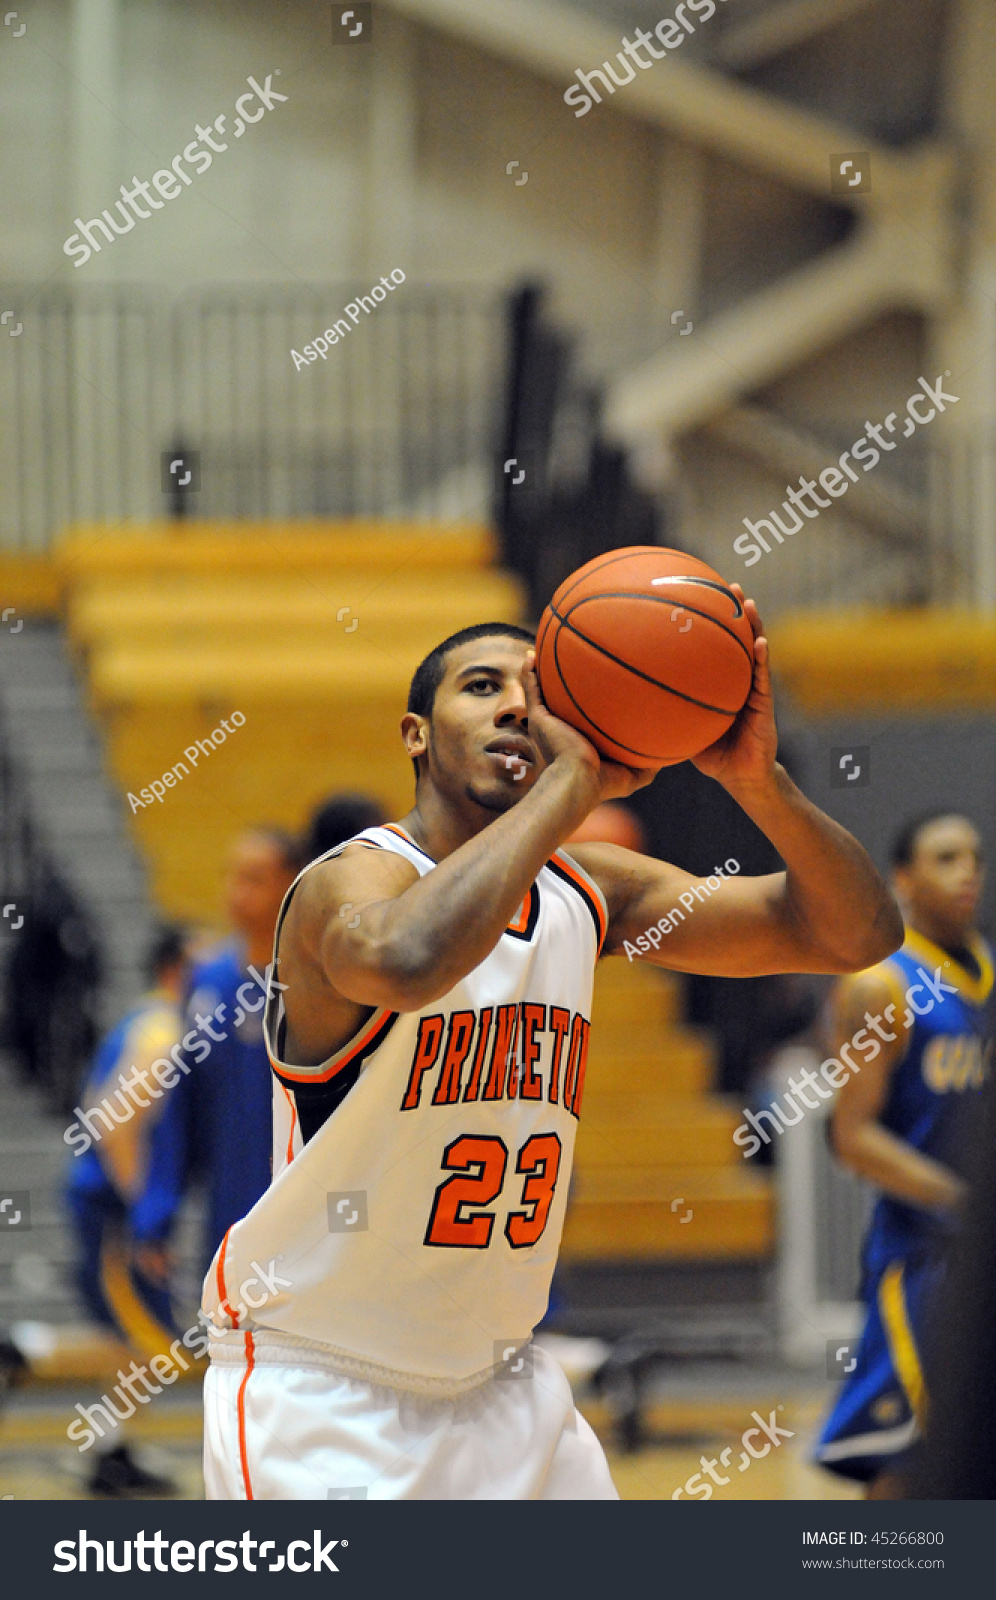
column 274, row 1431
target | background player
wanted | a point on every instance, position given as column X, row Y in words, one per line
column 340, row 817
column 124, row 1190
column 372, row 1362
column 899, row 1122
column 231, row 1085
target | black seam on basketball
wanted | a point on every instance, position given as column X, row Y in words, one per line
column 631, row 749
column 703, row 583
column 590, row 568
column 652, row 599
column 541, row 634
column 608, row 560
column 703, row 704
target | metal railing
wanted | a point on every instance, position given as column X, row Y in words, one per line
column 100, row 381
column 401, row 418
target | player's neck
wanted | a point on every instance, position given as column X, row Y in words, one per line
column 438, row 829
column 944, row 935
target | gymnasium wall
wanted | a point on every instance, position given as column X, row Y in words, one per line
column 359, row 172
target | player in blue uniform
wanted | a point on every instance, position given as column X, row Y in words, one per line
column 900, row 1123
column 125, row 1183
column 231, row 1084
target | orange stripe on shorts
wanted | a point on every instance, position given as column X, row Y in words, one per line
column 241, row 1408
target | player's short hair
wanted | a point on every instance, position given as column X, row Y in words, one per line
column 904, row 844
column 339, row 818
column 167, row 947
column 286, row 846
column 430, row 672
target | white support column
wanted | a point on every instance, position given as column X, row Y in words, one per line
column 95, row 129
column 679, row 230
column 963, row 339
column 677, row 275
column 390, row 231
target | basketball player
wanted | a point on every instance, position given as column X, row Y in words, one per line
column 231, row 1086
column 897, row 1122
column 429, row 1037
column 124, row 1188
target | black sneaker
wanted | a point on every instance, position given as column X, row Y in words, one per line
column 119, row 1477
column 13, row 1367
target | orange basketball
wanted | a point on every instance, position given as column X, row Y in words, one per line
column 648, row 653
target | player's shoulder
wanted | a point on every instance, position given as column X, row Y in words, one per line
column 373, row 858
column 216, row 965
column 879, row 985
column 619, row 874
column 157, row 1014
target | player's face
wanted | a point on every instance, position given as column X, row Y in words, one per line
column 255, row 884
column 478, row 739
column 943, row 883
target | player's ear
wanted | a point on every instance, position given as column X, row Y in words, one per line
column 902, row 888
column 414, row 732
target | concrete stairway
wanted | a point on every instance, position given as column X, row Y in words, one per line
column 76, row 809
column 309, row 632
column 38, row 1253
column 657, row 1175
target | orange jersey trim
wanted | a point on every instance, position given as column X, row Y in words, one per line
column 587, row 890
column 399, row 833
column 377, row 1021
column 241, row 1408
column 518, row 924
column 293, row 1112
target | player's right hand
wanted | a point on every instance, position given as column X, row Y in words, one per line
column 557, row 741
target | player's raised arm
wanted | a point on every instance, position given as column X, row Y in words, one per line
column 830, row 911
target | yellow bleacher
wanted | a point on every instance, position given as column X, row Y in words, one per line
column 654, row 1142
column 860, row 661
column 180, row 626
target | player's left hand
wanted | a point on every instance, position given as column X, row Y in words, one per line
column 745, row 755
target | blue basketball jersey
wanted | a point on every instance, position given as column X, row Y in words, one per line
column 152, row 1212
column 231, row 1088
column 939, row 1009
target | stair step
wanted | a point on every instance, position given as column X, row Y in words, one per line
column 702, row 1136
column 630, row 992
column 727, row 1220
column 668, row 1071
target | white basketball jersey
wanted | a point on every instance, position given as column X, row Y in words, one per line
column 421, row 1173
